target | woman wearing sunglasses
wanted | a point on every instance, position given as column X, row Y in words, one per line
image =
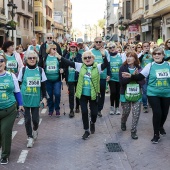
column 32, row 80
column 53, row 70
column 14, row 61
column 115, row 64
column 88, row 86
column 138, row 50
column 72, row 77
column 9, row 94
column 158, row 90
column 167, row 50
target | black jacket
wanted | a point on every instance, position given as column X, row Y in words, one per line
column 76, row 59
column 43, row 54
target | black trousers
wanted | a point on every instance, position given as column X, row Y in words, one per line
column 160, row 109
column 72, row 88
column 102, row 94
column 35, row 119
column 114, row 93
column 84, row 109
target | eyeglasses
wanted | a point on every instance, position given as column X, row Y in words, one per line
column 98, row 42
column 157, row 53
column 53, row 48
column 31, row 58
column 50, row 38
column 88, row 57
column 2, row 60
column 139, row 47
column 111, row 47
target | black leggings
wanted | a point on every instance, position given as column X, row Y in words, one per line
column 160, row 108
column 114, row 93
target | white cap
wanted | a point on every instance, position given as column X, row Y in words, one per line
column 79, row 40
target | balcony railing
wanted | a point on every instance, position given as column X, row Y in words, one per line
column 23, row 4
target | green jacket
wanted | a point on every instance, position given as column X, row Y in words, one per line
column 95, row 81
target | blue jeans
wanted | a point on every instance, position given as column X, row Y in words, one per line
column 102, row 94
column 144, row 95
column 53, row 90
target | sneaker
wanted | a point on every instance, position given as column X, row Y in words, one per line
column 162, row 131
column 18, row 115
column 107, row 90
column 4, row 161
column 50, row 113
column 30, row 142
column 145, row 109
column 86, row 135
column 155, row 139
column 117, row 111
column 134, row 135
column 92, row 127
column 111, row 110
column 99, row 114
column 123, row 126
column 35, row 134
column 71, row 115
column 58, row 113
column 77, row 110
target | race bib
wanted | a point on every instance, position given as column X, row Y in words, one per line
column 33, row 82
column 51, row 66
column 163, row 73
column 11, row 64
column 133, row 88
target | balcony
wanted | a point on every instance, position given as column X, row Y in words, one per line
column 137, row 14
column 161, row 8
column 38, row 28
column 49, row 18
column 49, row 4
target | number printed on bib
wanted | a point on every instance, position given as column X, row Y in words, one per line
column 33, row 81
column 11, row 64
column 163, row 73
column 133, row 88
column 51, row 66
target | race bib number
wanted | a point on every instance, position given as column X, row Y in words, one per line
column 51, row 66
column 33, row 82
column 163, row 73
column 11, row 64
column 133, row 88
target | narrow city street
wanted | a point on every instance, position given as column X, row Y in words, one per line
column 59, row 145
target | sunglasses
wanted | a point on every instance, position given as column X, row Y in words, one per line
column 89, row 57
column 53, row 48
column 2, row 60
column 31, row 58
column 98, row 42
column 72, row 46
column 111, row 47
column 50, row 38
column 157, row 53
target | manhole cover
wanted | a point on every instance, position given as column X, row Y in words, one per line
column 114, row 147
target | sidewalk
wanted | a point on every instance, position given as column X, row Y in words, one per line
column 59, row 145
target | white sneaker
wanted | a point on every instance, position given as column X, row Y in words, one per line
column 111, row 110
column 117, row 111
column 35, row 134
column 30, row 142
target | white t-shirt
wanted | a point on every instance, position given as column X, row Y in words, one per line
column 44, row 78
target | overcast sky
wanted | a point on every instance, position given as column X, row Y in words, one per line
column 87, row 12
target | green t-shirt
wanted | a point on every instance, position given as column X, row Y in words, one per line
column 37, row 47
column 159, row 80
column 11, row 65
column 52, row 68
column 167, row 54
column 115, row 64
column 7, row 98
column 99, row 60
column 30, row 88
column 87, row 82
column 146, row 60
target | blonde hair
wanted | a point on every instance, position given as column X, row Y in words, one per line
column 111, row 44
column 87, row 53
column 28, row 53
column 49, row 48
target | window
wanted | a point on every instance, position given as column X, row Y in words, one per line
column 27, row 24
column 36, row 18
column 24, row 23
column 31, row 26
column 146, row 5
column 18, row 21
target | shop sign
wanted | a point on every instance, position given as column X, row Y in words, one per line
column 133, row 28
column 145, row 28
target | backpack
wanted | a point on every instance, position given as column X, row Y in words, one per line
column 23, row 72
column 133, row 92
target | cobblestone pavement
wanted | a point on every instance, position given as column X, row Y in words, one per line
column 59, row 145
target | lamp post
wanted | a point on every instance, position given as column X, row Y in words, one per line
column 12, row 8
column 121, row 22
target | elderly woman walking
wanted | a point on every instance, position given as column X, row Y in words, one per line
column 88, row 87
column 33, row 80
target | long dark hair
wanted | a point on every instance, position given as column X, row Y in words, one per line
column 134, row 55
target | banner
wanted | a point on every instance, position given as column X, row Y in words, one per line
column 57, row 16
column 133, row 28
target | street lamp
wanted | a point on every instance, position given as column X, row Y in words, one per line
column 121, row 22
column 12, row 8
